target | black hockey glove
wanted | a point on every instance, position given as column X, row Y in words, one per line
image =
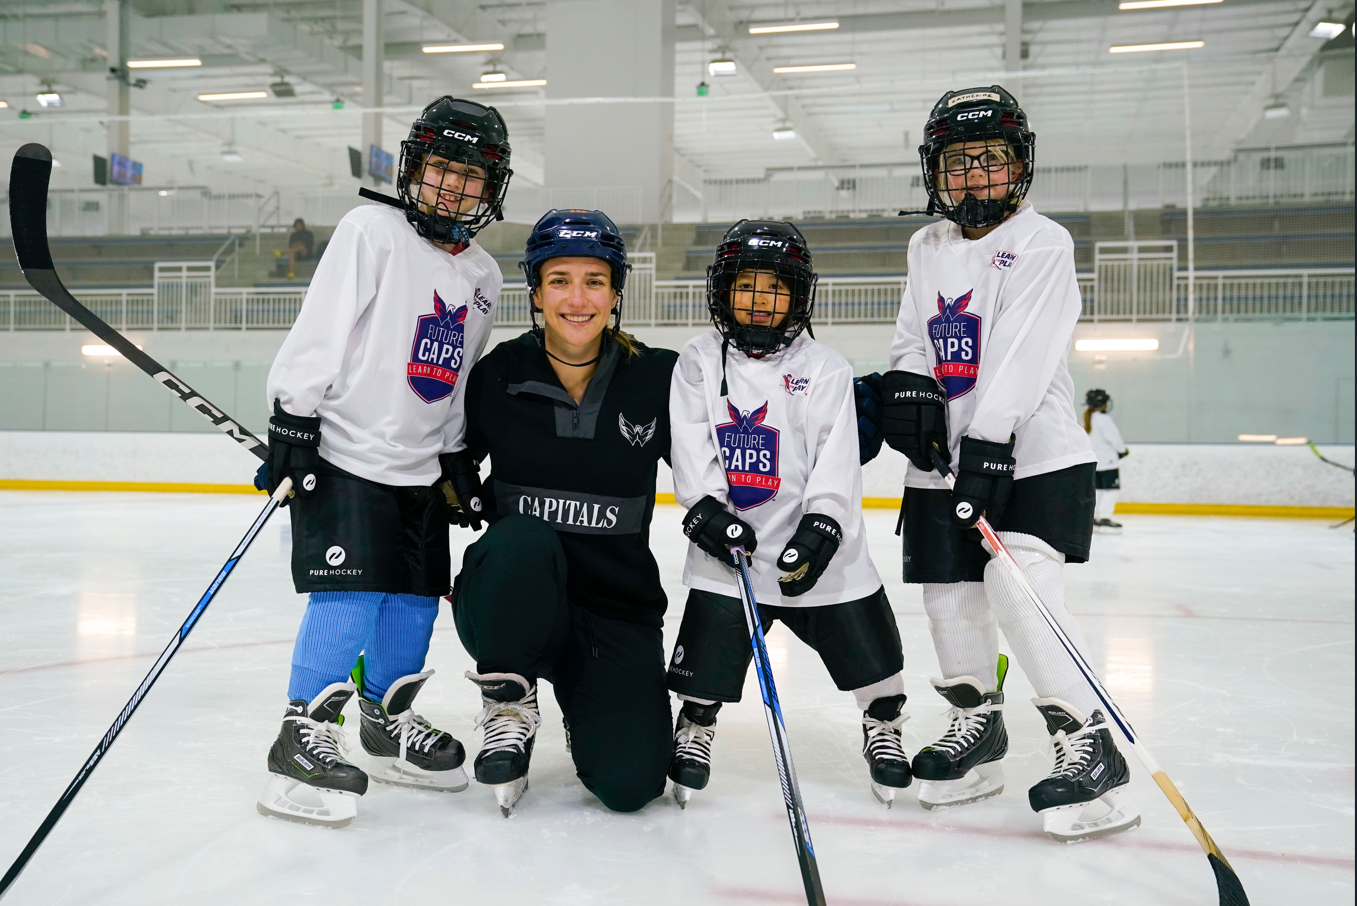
column 461, row 485
column 914, row 416
column 983, row 481
column 867, row 399
column 715, row 531
column 1124, row 453
column 808, row 553
column 294, row 451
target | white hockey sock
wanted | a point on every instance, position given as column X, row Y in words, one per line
column 891, row 685
column 1106, row 504
column 694, row 700
column 964, row 635
column 1037, row 650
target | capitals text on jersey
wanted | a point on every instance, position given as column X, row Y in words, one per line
column 436, row 354
column 749, row 452
column 955, row 333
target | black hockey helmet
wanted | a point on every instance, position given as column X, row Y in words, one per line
column 462, row 132
column 767, row 246
column 1097, row 399
column 976, row 115
column 575, row 233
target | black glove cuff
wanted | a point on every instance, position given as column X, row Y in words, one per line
column 985, row 457
column 459, row 463
column 699, row 514
column 824, row 526
column 297, row 430
column 908, row 387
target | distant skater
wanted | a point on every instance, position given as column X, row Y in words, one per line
column 1110, row 449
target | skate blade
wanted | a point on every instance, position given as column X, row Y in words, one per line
column 983, row 782
column 508, row 795
column 884, row 794
column 1111, row 813
column 293, row 800
column 682, row 794
column 401, row 773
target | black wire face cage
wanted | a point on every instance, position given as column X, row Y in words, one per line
column 451, row 194
column 746, row 292
column 991, row 172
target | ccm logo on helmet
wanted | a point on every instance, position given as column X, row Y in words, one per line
column 974, row 114
column 577, row 234
column 461, row 136
column 756, row 242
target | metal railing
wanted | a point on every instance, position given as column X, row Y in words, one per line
column 1295, row 295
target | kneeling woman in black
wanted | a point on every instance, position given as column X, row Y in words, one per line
column 563, row 587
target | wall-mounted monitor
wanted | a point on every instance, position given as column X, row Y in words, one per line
column 380, row 163
column 124, row 171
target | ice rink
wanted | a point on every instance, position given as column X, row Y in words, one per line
column 1228, row 642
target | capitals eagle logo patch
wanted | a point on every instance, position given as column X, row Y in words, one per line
column 636, row 435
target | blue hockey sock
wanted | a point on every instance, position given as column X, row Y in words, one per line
column 398, row 643
column 333, row 631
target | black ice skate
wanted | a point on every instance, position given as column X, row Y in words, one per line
column 309, row 780
column 1085, row 795
column 410, row 752
column 883, row 748
column 965, row 764
column 1107, row 526
column 693, row 734
column 510, row 718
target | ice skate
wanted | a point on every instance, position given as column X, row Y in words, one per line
column 1107, row 527
column 693, row 734
column 510, row 718
column 410, row 752
column 965, row 764
column 1085, row 796
column 309, row 780
column 883, row 749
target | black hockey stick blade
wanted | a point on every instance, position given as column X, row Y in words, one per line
column 1227, row 882
column 64, row 801
column 28, row 180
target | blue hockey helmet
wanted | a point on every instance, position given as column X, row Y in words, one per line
column 574, row 233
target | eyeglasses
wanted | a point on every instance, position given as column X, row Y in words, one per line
column 988, row 161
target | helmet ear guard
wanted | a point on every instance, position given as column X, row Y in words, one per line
column 976, row 115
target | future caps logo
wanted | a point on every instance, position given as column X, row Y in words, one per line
column 436, row 354
column 749, row 449
column 955, row 333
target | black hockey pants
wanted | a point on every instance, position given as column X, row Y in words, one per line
column 513, row 616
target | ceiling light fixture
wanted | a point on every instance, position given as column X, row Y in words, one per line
column 38, row 50
column 1257, row 438
column 460, row 48
column 234, row 96
column 1134, row 345
column 721, row 67
column 50, row 99
column 1145, row 48
column 1291, row 441
column 283, row 89
column 4, row 105
column 494, row 76
column 101, row 349
column 784, row 133
column 1276, row 111
column 511, row 83
column 792, row 27
column 1327, row 30
column 231, row 155
column 164, row 64
column 819, row 67
column 1157, row 4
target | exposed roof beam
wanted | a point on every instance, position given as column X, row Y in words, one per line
column 749, row 57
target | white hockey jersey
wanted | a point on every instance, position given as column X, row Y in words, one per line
column 781, row 444
column 1106, row 440
column 389, row 329
column 992, row 319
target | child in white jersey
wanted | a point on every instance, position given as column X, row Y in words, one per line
column 765, row 456
column 980, row 380
column 1110, row 449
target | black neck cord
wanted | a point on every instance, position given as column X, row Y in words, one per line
column 575, row 364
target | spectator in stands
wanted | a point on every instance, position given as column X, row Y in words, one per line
column 301, row 244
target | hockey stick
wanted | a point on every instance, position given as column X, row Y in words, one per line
column 1227, row 882
column 1339, row 465
column 161, row 663
column 782, row 750
column 28, row 180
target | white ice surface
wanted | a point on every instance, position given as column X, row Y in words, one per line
column 1229, row 643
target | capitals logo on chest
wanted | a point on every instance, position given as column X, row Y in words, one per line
column 749, row 450
column 436, row 354
column 955, row 333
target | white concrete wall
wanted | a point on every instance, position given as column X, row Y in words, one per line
column 1260, row 475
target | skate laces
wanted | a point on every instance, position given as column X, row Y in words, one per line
column 415, row 732
column 509, row 725
column 883, row 737
column 965, row 728
column 693, row 741
column 325, row 741
column 1072, row 750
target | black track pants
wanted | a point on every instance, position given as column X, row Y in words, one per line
column 513, row 616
